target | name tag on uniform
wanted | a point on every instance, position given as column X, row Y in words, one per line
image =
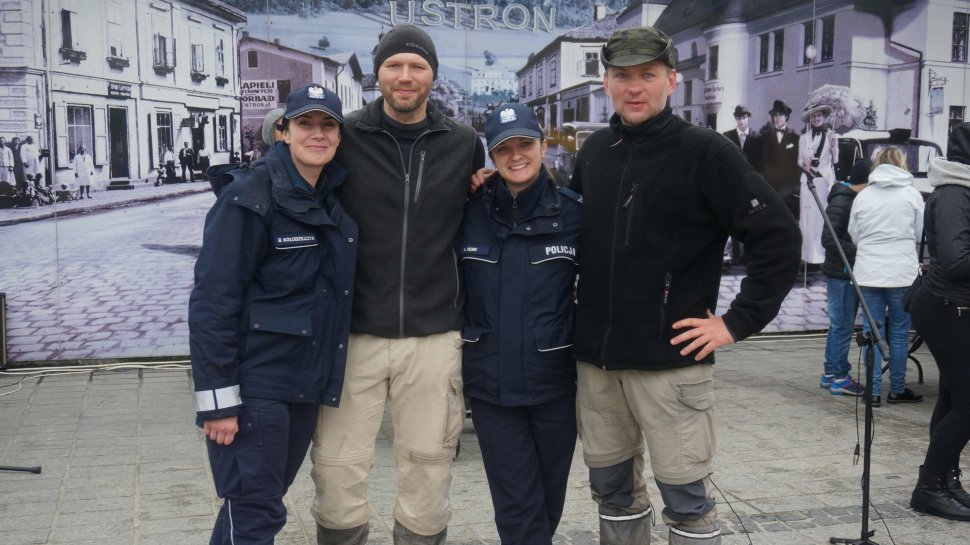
column 290, row 241
column 475, row 250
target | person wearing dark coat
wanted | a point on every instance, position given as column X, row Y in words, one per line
column 746, row 139
column 778, row 157
column 743, row 136
column 940, row 311
column 843, row 303
column 518, row 251
column 269, row 316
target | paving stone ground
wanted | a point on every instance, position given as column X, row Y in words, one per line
column 124, row 465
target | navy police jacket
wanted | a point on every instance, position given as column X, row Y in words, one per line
column 518, row 258
column 269, row 315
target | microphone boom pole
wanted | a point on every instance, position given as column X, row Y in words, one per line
column 870, row 340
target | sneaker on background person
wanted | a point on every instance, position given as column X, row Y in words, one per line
column 845, row 386
column 906, row 396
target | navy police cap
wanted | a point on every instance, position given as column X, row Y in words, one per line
column 508, row 121
column 311, row 98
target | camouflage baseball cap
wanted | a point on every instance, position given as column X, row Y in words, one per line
column 633, row 46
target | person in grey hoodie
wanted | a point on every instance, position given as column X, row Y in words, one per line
column 886, row 224
column 941, row 314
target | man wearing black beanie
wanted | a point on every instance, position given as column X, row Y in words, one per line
column 409, row 168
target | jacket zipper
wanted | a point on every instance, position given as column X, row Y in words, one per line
column 663, row 306
column 609, row 314
column 629, row 204
column 404, row 253
column 417, row 185
column 404, row 228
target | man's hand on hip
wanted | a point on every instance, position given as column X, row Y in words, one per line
column 704, row 334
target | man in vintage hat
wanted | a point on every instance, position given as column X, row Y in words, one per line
column 742, row 135
column 778, row 156
column 747, row 140
column 409, row 169
column 645, row 331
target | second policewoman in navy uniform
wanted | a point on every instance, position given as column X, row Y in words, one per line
column 518, row 254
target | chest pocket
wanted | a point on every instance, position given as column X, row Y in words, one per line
column 295, row 260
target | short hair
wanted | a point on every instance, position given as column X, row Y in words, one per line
column 890, row 155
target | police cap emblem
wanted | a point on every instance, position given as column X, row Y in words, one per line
column 315, row 91
column 507, row 116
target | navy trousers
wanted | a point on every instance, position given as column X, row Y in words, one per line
column 527, row 452
column 254, row 472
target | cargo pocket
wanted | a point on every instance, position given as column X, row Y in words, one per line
column 252, row 466
column 456, row 413
column 697, row 421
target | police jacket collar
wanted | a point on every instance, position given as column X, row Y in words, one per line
column 646, row 130
column 370, row 119
column 301, row 205
column 539, row 200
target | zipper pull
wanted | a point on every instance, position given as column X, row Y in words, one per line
column 666, row 288
column 633, row 193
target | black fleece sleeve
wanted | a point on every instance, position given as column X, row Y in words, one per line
column 749, row 210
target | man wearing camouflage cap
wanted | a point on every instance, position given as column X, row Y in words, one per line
column 660, row 198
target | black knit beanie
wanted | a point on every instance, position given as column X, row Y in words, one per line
column 406, row 39
column 958, row 146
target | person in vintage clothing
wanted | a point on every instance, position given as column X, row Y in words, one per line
column 778, row 156
column 818, row 152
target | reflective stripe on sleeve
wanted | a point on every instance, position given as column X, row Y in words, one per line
column 212, row 400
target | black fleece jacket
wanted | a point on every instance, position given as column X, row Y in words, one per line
column 409, row 211
column 659, row 201
column 838, row 209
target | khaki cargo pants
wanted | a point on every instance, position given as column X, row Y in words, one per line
column 421, row 379
column 673, row 410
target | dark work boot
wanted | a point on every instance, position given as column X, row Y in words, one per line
column 403, row 536
column 951, row 482
column 621, row 528
column 931, row 497
column 350, row 536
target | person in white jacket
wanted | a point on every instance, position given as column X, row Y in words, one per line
column 886, row 224
column 83, row 172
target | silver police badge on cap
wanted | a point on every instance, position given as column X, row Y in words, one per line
column 507, row 116
column 315, row 92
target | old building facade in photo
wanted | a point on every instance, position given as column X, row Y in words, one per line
column 270, row 69
column 906, row 60
column 125, row 78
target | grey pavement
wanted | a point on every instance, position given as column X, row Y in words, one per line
column 123, row 463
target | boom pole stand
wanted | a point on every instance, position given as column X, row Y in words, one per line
column 870, row 340
column 3, row 367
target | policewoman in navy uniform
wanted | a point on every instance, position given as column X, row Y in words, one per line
column 518, row 254
column 269, row 316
